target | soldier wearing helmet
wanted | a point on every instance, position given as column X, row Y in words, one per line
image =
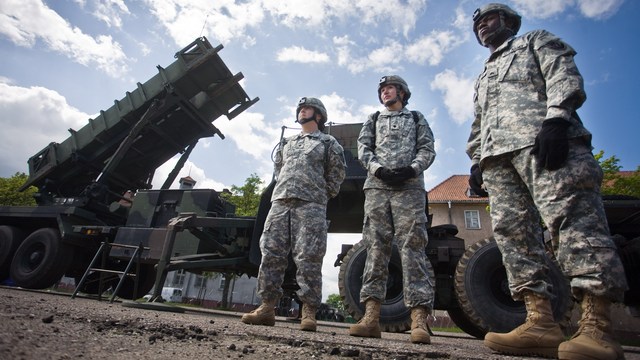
column 509, row 23
column 402, row 90
column 309, row 169
column 319, row 115
column 395, row 146
column 531, row 154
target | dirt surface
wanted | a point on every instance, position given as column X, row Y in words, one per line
column 40, row 325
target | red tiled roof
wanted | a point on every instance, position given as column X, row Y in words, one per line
column 454, row 189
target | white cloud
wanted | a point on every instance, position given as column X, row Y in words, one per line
column 24, row 22
column 542, row 9
column 301, row 55
column 599, row 9
column 189, row 169
column 220, row 21
column 431, row 48
column 457, row 93
column 37, row 114
column 108, row 11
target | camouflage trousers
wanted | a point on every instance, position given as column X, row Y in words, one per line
column 299, row 227
column 568, row 201
column 399, row 216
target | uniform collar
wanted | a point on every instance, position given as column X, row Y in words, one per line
column 387, row 112
column 315, row 134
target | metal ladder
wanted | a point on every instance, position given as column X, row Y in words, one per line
column 103, row 252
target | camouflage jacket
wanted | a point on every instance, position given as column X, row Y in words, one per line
column 395, row 140
column 308, row 170
column 527, row 80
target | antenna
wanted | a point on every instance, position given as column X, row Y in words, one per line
column 204, row 24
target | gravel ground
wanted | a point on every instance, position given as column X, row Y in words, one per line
column 40, row 325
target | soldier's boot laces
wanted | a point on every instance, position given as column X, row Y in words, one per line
column 369, row 325
column 540, row 335
column 264, row 315
column 594, row 339
column 419, row 326
column 308, row 322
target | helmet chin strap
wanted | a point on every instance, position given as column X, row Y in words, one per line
column 306, row 120
column 503, row 28
column 392, row 101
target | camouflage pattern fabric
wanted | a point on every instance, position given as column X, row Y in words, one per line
column 308, row 174
column 527, row 80
column 396, row 212
column 300, row 227
column 569, row 202
column 397, row 142
column 301, row 171
column 401, row 213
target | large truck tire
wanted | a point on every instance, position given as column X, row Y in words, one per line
column 146, row 280
column 482, row 289
column 460, row 318
column 394, row 315
column 41, row 260
column 10, row 239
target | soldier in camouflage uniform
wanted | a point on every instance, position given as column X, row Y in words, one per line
column 309, row 168
column 395, row 146
column 531, row 149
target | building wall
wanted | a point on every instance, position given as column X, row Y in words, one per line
column 441, row 214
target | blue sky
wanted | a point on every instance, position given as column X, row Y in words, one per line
column 63, row 61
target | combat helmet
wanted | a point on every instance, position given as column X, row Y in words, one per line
column 505, row 12
column 317, row 105
column 398, row 82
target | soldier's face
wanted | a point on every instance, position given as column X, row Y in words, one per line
column 305, row 112
column 388, row 92
column 487, row 26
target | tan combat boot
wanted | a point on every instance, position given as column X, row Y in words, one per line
column 308, row 322
column 264, row 315
column 369, row 325
column 540, row 335
column 419, row 327
column 594, row 339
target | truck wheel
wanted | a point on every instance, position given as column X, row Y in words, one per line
column 146, row 280
column 482, row 289
column 394, row 315
column 41, row 260
column 10, row 239
column 465, row 324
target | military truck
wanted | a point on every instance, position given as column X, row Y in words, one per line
column 98, row 220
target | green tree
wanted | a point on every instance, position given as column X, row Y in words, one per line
column 614, row 183
column 246, row 198
column 336, row 301
column 9, row 194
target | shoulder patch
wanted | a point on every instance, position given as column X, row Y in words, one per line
column 555, row 45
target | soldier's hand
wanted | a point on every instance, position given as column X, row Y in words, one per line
column 404, row 173
column 475, row 181
column 552, row 145
column 385, row 174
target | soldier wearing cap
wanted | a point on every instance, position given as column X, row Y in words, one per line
column 395, row 146
column 531, row 155
column 309, row 169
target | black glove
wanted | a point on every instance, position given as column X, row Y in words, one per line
column 385, row 174
column 404, row 173
column 552, row 145
column 475, row 181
